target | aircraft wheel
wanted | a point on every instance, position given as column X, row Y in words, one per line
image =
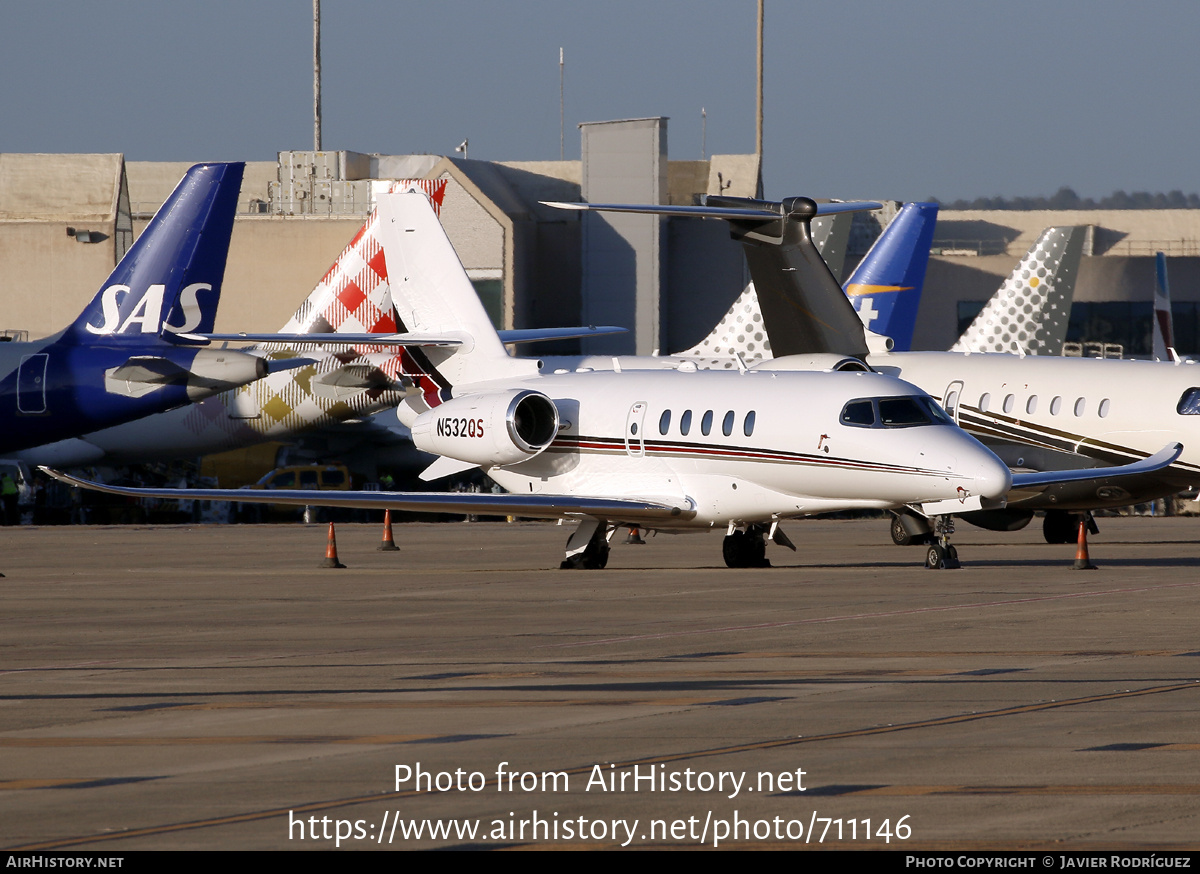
column 935, row 557
column 900, row 537
column 593, row 558
column 1060, row 527
column 733, row 549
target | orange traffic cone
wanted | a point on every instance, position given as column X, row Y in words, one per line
column 389, row 543
column 1082, row 561
column 331, row 556
column 635, row 535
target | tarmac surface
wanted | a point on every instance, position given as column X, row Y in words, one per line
column 213, row 688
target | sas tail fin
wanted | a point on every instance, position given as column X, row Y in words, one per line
column 170, row 279
column 1029, row 314
column 1164, row 328
column 886, row 286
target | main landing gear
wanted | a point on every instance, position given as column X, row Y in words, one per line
column 746, row 548
column 587, row 548
column 1059, row 526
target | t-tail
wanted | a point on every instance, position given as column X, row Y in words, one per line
column 169, row 282
column 886, row 286
column 1029, row 314
column 435, row 299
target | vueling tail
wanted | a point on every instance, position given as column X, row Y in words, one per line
column 1029, row 314
column 354, row 297
column 886, row 286
column 170, row 279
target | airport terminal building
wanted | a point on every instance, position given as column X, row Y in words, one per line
column 66, row 219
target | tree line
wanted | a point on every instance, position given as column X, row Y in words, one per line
column 1066, row 198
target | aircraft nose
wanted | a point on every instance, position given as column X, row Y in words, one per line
column 993, row 479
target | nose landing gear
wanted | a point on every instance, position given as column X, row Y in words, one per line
column 941, row 554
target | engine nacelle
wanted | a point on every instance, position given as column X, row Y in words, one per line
column 497, row 428
column 218, row 370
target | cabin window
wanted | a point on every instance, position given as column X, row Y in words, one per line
column 1189, row 403
column 727, row 424
column 748, row 425
column 1009, row 402
column 706, row 423
column 1055, row 406
column 1031, row 405
column 685, row 423
column 1080, row 406
column 860, row 413
column 1103, row 410
column 664, row 422
column 985, row 401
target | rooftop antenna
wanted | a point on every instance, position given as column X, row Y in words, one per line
column 758, row 139
column 316, row 75
column 703, row 134
column 561, row 116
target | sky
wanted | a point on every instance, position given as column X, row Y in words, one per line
column 863, row 98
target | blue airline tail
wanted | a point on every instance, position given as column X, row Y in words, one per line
column 169, row 282
column 885, row 288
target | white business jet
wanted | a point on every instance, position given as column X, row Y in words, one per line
column 662, row 449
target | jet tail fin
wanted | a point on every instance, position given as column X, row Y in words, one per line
column 886, row 286
column 804, row 309
column 432, row 294
column 1030, row 312
column 1164, row 328
column 170, row 279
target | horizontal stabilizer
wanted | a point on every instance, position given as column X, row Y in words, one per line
column 331, row 339
column 533, row 506
column 538, row 335
column 753, row 210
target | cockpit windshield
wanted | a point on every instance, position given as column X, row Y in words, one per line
column 1189, row 403
column 903, row 412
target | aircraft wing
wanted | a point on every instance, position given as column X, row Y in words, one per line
column 533, row 506
column 1064, row 483
column 1068, row 486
